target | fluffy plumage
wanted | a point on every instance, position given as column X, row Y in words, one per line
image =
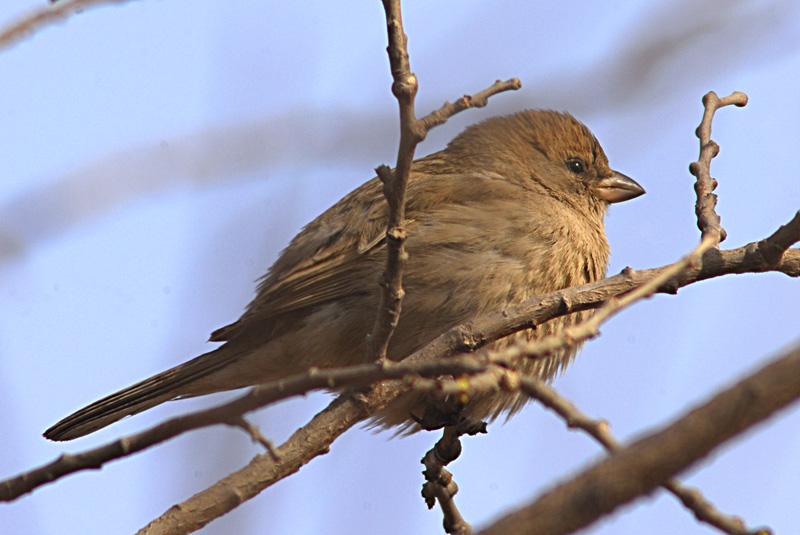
column 512, row 208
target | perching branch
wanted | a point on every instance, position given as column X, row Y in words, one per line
column 475, row 334
column 769, row 254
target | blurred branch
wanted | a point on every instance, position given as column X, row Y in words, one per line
column 639, row 468
column 35, row 20
column 599, row 430
column 510, row 381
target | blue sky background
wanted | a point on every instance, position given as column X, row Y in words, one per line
column 157, row 155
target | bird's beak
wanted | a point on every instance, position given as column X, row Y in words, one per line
column 618, row 188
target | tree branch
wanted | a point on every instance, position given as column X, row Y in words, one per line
column 707, row 219
column 599, row 430
column 465, row 337
column 649, row 462
column 774, row 247
column 395, row 182
column 35, row 20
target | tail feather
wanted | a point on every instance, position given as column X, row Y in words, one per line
column 136, row 398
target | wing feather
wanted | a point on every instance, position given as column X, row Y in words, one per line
column 314, row 268
column 321, row 263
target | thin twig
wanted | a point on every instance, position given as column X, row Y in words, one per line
column 588, row 329
column 478, row 100
column 503, row 379
column 395, row 184
column 256, row 435
column 773, row 247
column 707, row 219
column 439, row 485
column 508, row 380
column 404, row 88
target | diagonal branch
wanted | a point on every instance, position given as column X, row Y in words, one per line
column 639, row 468
column 478, row 100
column 774, row 247
column 31, row 22
column 599, row 430
column 508, row 380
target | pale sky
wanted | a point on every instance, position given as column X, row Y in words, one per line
column 157, row 155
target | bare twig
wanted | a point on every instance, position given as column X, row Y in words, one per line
column 478, row 100
column 707, row 219
column 27, row 24
column 404, row 88
column 256, row 435
column 395, row 182
column 439, row 485
column 508, row 380
column 773, row 247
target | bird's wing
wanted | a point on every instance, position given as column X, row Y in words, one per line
column 317, row 266
column 347, row 244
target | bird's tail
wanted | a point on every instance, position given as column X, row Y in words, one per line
column 144, row 395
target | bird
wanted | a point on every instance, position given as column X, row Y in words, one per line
column 512, row 208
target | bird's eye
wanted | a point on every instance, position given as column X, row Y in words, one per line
column 576, row 166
